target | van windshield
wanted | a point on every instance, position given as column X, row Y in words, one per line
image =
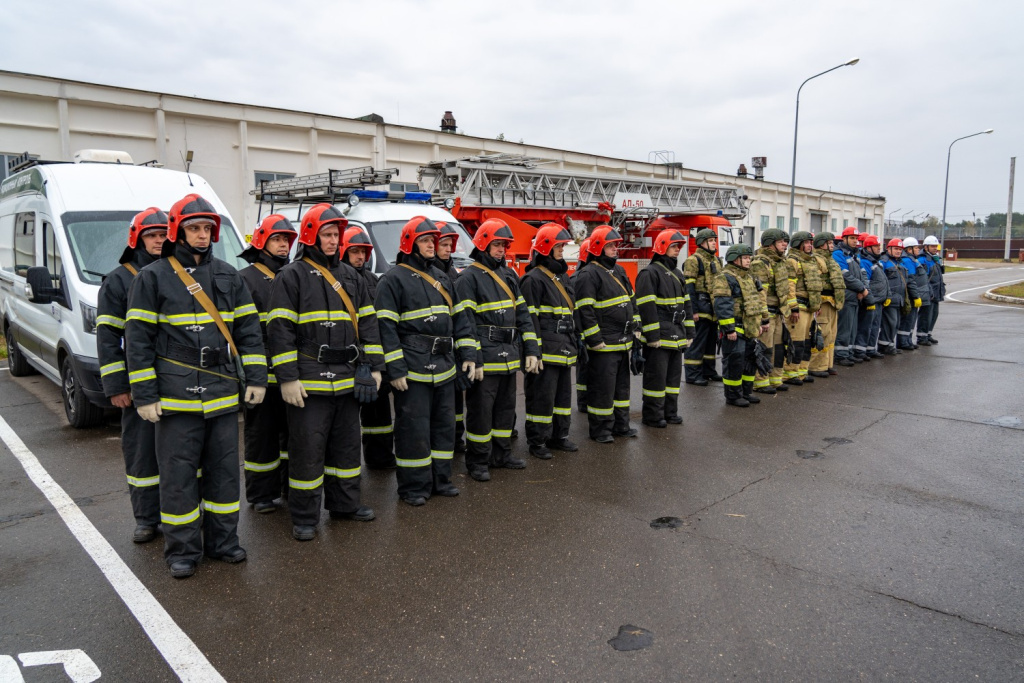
column 97, row 239
column 385, row 236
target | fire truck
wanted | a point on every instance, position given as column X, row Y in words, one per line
column 526, row 192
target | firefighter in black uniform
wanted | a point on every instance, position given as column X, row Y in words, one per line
column 146, row 235
column 192, row 333
column 326, row 352
column 664, row 310
column 608, row 315
column 266, row 425
column 375, row 418
column 549, row 297
column 489, row 291
column 430, row 351
column 443, row 261
column 699, row 272
column 581, row 350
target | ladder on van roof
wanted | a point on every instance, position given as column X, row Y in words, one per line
column 331, row 187
column 518, row 181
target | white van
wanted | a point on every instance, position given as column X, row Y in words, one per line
column 62, row 228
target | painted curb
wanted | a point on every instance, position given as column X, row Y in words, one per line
column 1005, row 299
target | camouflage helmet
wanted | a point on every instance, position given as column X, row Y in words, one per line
column 705, row 234
column 799, row 238
column 823, row 238
column 737, row 250
column 773, row 235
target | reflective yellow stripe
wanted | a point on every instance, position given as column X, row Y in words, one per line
column 442, row 455
column 142, row 315
column 111, row 368
column 322, row 316
column 423, row 462
column 608, row 303
column 558, row 360
column 671, row 390
column 110, row 320
column 306, row 485
column 141, row 375
column 620, row 404
column 254, row 359
column 584, row 302
column 185, row 319
column 284, row 314
column 221, row 508
column 387, row 315
column 541, row 419
column 654, row 394
column 262, row 466
column 324, row 385
column 366, row 311
column 377, row 430
column 342, row 474
column 563, row 411
column 603, row 412
column 508, row 366
column 423, row 313
column 393, row 356
column 645, row 299
column 143, row 482
column 478, row 438
column 286, row 357
column 432, row 379
column 652, row 326
column 178, row 520
column 501, row 433
column 247, row 309
column 731, row 382
column 373, row 349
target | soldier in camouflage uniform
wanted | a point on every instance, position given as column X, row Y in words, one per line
column 805, row 274
column 699, row 272
column 769, row 267
column 833, row 296
column 742, row 315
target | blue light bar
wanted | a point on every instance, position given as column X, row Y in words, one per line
column 393, row 196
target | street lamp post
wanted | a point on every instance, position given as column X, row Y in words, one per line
column 945, row 194
column 796, row 128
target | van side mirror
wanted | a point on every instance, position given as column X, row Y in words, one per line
column 43, row 291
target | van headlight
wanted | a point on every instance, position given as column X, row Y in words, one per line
column 88, row 317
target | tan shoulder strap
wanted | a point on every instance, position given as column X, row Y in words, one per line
column 131, row 269
column 494, row 276
column 263, row 269
column 558, row 284
column 336, row 286
column 196, row 290
column 614, row 279
column 433, row 283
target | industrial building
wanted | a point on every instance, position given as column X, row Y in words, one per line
column 234, row 146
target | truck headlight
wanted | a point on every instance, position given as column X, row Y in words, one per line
column 88, row 317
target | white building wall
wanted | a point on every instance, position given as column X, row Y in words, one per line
column 53, row 118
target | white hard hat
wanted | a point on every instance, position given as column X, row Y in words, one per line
column 910, row 242
column 931, row 239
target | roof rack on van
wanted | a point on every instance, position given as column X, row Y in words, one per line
column 332, row 186
column 25, row 160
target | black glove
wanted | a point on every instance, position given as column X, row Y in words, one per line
column 636, row 358
column 762, row 358
column 462, row 380
column 582, row 355
column 365, row 385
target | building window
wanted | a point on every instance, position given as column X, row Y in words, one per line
column 764, row 222
column 780, row 222
column 268, row 176
column 834, row 222
column 796, row 224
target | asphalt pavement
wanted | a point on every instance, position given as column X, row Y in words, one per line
column 865, row 527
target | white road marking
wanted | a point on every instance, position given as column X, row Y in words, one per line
column 77, row 665
column 952, row 297
column 181, row 654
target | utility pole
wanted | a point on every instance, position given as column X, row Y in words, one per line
column 1009, row 212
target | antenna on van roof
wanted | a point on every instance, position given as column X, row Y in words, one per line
column 186, row 160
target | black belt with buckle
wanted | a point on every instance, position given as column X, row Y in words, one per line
column 323, row 353
column 557, row 325
column 206, row 357
column 504, row 335
column 424, row 342
column 774, row 310
column 803, row 300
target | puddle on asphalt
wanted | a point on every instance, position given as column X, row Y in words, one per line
column 667, row 523
column 632, row 638
column 1005, row 421
column 810, row 455
column 836, row 440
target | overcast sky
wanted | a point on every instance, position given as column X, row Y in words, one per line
column 715, row 82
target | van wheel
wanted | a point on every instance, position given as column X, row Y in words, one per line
column 16, row 362
column 80, row 411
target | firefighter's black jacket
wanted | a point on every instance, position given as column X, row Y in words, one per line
column 164, row 316
column 411, row 313
column 260, row 284
column 111, row 312
column 306, row 315
column 494, row 314
column 664, row 306
column 552, row 316
column 606, row 305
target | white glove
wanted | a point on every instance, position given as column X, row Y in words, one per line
column 151, row 412
column 400, row 384
column 636, row 333
column 531, row 365
column 655, row 344
column 293, row 392
column 469, row 368
column 478, row 374
column 254, row 395
column 376, row 378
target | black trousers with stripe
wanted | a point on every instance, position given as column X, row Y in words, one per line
column 323, row 457
column 490, row 417
column 138, row 446
column 608, row 392
column 266, row 448
column 424, row 438
column 548, row 404
column 700, row 354
column 186, row 443
column 662, row 376
column 738, row 366
column 377, row 431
